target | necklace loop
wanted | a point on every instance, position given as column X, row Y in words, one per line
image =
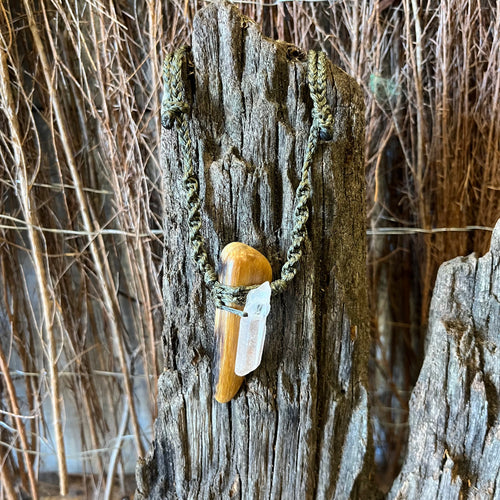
column 174, row 111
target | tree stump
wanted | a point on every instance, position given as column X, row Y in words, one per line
column 454, row 443
column 298, row 428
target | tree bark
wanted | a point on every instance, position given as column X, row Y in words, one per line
column 454, row 443
column 298, row 427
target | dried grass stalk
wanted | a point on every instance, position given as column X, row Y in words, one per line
column 45, row 288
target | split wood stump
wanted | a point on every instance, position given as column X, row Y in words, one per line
column 454, row 442
column 298, row 428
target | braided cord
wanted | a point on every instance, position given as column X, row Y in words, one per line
column 174, row 112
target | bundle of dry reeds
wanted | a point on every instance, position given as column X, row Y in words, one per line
column 80, row 202
column 80, row 198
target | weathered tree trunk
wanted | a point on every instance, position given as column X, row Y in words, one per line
column 454, row 444
column 298, row 428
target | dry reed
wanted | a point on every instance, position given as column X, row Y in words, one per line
column 80, row 200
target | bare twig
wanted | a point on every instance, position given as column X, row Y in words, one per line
column 44, row 287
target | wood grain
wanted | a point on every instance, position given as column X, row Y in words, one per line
column 454, row 442
column 298, row 426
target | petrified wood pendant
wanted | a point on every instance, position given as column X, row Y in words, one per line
column 241, row 265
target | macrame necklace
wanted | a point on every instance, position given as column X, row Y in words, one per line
column 245, row 278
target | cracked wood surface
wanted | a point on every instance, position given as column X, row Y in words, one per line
column 298, row 428
column 454, row 443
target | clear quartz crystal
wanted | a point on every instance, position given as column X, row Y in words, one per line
column 252, row 332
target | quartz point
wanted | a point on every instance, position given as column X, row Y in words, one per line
column 252, row 333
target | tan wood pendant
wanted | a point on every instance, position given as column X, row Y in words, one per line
column 241, row 265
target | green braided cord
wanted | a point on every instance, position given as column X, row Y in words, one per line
column 174, row 112
column 321, row 112
column 174, row 109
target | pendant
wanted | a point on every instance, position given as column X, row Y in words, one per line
column 252, row 334
column 241, row 265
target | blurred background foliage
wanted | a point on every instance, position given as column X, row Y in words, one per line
column 80, row 194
